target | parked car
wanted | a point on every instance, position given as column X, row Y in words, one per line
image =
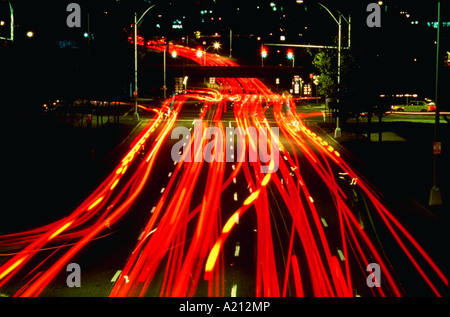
column 416, row 105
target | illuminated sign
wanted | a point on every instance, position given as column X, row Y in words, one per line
column 435, row 24
column 177, row 25
column 67, row 44
column 297, row 82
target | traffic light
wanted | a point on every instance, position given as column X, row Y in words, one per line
column 263, row 53
column 290, row 54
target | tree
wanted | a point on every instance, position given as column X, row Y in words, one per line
column 325, row 62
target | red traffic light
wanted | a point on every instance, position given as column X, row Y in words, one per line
column 290, row 54
column 263, row 52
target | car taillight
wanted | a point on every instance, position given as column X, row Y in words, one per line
column 431, row 108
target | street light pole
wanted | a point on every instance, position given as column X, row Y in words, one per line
column 11, row 31
column 231, row 42
column 166, row 48
column 135, row 93
column 11, row 10
column 337, row 131
column 216, row 46
column 435, row 198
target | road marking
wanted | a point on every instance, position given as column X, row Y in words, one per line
column 153, row 209
column 341, row 255
column 235, row 197
column 311, row 199
column 170, row 174
column 116, row 276
column 237, row 249
column 234, row 180
column 236, row 219
column 324, row 222
column 234, row 290
column 162, row 190
column 140, row 236
column 232, row 166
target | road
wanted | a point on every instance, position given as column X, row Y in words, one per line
column 274, row 211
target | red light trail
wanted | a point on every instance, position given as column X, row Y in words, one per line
column 181, row 251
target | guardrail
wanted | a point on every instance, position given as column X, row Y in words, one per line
column 84, row 113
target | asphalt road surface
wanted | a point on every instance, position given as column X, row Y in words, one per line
column 224, row 193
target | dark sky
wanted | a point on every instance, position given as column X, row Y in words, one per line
column 49, row 16
column 391, row 48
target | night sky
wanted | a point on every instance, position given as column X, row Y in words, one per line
column 398, row 56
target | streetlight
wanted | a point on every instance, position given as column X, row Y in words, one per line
column 199, row 52
column 216, row 46
column 337, row 132
column 137, row 22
